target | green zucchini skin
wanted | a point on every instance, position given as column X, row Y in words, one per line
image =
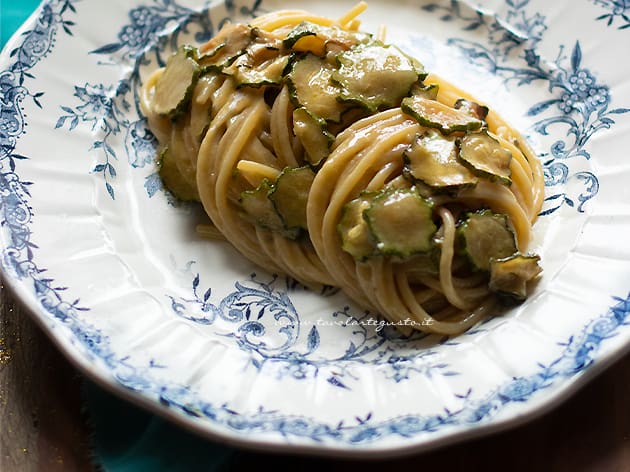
column 391, row 222
column 356, row 238
column 474, row 109
column 290, row 194
column 375, row 76
column 258, row 72
column 259, row 209
column 174, row 88
column 509, row 276
column 310, row 86
column 433, row 160
column 434, row 114
column 485, row 157
column 485, row 236
column 332, row 83
column 313, row 133
column 226, row 48
column 280, row 206
column 173, row 179
column 401, row 223
column 302, row 30
column 320, row 40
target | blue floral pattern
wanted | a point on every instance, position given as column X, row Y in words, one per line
column 618, row 13
column 583, row 104
column 36, row 43
column 107, row 108
column 579, row 353
column 18, row 256
column 256, row 309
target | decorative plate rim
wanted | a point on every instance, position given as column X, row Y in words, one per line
column 592, row 365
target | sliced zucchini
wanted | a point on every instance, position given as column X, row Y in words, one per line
column 342, row 40
column 432, row 159
column 200, row 111
column 401, row 222
column 356, row 238
column 254, row 54
column 434, row 114
column 260, row 210
column 484, row 155
column 313, row 134
column 348, row 117
column 303, row 30
column 472, row 108
column 173, row 180
column 509, row 276
column 290, row 194
column 376, row 76
column 310, row 86
column 174, row 87
column 316, row 39
column 250, row 73
column 234, row 41
column 485, row 236
column 429, row 92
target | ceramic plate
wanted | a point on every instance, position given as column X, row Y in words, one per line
column 111, row 267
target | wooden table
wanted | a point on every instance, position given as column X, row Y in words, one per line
column 42, row 427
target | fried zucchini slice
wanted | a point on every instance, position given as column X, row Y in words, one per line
column 432, row 159
column 484, row 156
column 174, row 87
column 434, row 114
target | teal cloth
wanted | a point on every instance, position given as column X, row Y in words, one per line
column 126, row 438
column 12, row 14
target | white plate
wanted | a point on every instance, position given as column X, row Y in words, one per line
column 114, row 272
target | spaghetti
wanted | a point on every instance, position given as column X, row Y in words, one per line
column 325, row 154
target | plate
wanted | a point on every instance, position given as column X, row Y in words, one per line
column 111, row 266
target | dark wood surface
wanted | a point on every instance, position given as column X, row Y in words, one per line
column 41, row 424
column 42, row 427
